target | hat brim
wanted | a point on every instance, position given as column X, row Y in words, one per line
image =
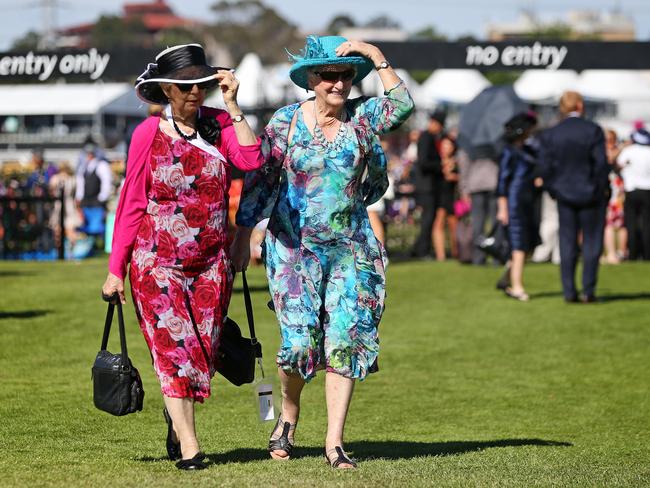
column 149, row 90
column 641, row 138
column 299, row 71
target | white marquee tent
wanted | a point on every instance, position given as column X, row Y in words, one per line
column 67, row 99
column 457, row 86
column 372, row 85
column 629, row 89
column 250, row 74
column 545, row 85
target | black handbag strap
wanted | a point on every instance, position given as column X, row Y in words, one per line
column 107, row 328
column 249, row 308
column 249, row 316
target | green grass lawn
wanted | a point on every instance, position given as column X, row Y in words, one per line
column 474, row 389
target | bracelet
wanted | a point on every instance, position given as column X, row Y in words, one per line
column 388, row 92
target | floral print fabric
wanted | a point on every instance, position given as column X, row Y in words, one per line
column 180, row 273
column 616, row 201
column 326, row 270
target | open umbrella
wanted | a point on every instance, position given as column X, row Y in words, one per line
column 482, row 119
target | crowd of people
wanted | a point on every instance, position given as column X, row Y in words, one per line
column 32, row 225
column 558, row 192
column 450, row 195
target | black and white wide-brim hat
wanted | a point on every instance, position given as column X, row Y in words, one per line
column 185, row 63
column 641, row 136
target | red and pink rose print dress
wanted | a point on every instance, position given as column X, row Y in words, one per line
column 180, row 272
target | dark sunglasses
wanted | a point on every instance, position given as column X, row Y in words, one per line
column 334, row 76
column 187, row 87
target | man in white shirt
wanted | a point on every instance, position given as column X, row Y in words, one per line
column 634, row 161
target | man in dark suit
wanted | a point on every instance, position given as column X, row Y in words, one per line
column 427, row 168
column 574, row 167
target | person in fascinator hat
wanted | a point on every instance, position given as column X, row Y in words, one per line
column 323, row 165
column 171, row 229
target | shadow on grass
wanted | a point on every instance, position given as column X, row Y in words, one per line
column 610, row 297
column 623, row 297
column 408, row 450
column 23, row 314
column 546, row 294
column 366, row 450
column 8, row 273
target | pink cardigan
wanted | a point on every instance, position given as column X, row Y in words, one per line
column 133, row 201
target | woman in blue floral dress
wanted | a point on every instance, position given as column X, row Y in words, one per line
column 325, row 268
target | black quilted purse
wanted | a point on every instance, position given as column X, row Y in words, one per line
column 117, row 387
column 236, row 355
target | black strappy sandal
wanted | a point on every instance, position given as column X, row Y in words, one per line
column 342, row 458
column 173, row 448
column 192, row 464
column 282, row 443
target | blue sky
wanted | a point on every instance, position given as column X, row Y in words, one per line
column 452, row 17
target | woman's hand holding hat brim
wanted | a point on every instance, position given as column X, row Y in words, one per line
column 360, row 48
column 228, row 84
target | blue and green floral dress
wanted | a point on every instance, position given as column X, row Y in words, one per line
column 324, row 266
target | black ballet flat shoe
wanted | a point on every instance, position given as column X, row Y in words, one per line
column 192, row 464
column 282, row 443
column 341, row 458
column 173, row 448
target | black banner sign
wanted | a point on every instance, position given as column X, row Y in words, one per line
column 515, row 56
column 74, row 65
column 126, row 64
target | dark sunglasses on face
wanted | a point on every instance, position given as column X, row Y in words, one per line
column 334, row 76
column 187, row 87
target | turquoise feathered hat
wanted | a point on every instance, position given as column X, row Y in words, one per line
column 321, row 51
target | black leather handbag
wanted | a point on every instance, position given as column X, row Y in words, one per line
column 496, row 244
column 117, row 387
column 236, row 355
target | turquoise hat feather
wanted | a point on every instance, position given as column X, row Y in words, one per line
column 321, row 51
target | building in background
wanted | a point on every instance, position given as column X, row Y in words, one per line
column 155, row 17
column 577, row 25
column 375, row 33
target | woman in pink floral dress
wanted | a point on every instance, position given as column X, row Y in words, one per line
column 171, row 226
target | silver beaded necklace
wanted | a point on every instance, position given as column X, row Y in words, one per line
column 320, row 135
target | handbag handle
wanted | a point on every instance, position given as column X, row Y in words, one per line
column 107, row 328
column 249, row 312
column 249, row 316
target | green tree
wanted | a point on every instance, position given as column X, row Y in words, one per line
column 557, row 30
column 383, row 22
column 28, row 42
column 338, row 23
column 468, row 38
column 111, row 31
column 429, row 33
column 502, row 77
column 249, row 26
column 175, row 36
column 420, row 75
